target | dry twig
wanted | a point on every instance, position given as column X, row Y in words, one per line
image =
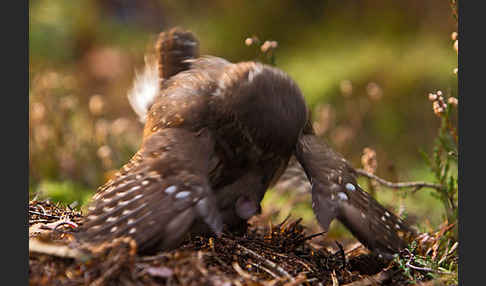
column 416, row 185
column 58, row 250
column 265, row 261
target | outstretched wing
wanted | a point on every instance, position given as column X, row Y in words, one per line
column 335, row 194
column 157, row 196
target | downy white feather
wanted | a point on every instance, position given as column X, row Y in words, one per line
column 145, row 88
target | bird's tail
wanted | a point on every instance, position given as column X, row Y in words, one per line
column 172, row 50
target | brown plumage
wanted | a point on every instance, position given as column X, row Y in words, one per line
column 217, row 135
column 335, row 194
column 174, row 48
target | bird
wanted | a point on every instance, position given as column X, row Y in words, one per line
column 217, row 135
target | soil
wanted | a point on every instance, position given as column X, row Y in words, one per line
column 266, row 255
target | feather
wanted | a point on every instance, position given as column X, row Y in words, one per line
column 155, row 199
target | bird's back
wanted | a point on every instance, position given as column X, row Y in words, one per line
column 216, row 136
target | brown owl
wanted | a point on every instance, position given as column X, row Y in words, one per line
column 217, row 135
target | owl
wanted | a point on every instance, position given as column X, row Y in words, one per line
column 217, row 136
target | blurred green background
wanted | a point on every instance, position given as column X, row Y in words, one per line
column 365, row 67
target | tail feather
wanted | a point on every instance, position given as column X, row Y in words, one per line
column 146, row 87
column 174, row 48
column 173, row 51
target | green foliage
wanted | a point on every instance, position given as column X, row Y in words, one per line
column 64, row 192
column 443, row 162
column 438, row 262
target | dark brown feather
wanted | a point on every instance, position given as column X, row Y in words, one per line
column 174, row 48
column 160, row 187
column 216, row 137
column 294, row 178
column 336, row 194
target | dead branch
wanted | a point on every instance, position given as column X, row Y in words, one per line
column 265, row 261
column 55, row 250
column 416, row 185
column 44, row 214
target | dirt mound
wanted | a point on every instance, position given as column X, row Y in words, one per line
column 265, row 255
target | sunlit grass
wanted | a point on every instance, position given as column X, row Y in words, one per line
column 319, row 69
column 66, row 192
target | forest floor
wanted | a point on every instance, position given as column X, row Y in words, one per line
column 282, row 254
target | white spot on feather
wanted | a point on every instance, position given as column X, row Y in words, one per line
column 122, row 185
column 182, row 195
column 134, row 188
column 350, row 187
column 256, row 70
column 220, row 90
column 170, row 190
column 121, row 194
column 123, row 203
column 145, row 88
column 132, row 230
column 92, row 217
column 145, row 183
column 342, row 196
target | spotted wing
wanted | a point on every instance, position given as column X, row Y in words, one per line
column 157, row 196
column 335, row 194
